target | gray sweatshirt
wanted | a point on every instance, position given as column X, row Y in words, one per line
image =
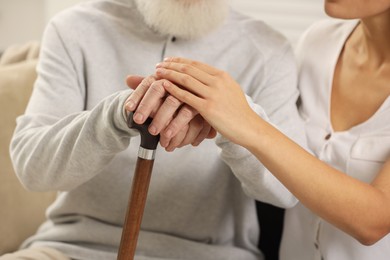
column 73, row 138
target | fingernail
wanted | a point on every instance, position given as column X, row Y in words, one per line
column 169, row 133
column 170, row 149
column 138, row 118
column 158, row 65
column 130, row 105
column 152, row 130
column 163, row 143
column 166, row 83
column 167, row 58
column 160, row 71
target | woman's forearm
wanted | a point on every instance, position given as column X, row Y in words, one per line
column 360, row 209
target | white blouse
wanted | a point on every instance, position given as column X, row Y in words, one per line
column 359, row 152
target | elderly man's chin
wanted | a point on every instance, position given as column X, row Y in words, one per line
column 187, row 19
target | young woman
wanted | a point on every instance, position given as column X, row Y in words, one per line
column 344, row 209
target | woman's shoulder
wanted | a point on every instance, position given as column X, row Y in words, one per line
column 324, row 33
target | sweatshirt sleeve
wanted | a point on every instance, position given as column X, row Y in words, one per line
column 275, row 101
column 58, row 144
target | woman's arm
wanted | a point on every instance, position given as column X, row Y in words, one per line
column 361, row 210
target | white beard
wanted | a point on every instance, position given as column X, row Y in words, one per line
column 188, row 19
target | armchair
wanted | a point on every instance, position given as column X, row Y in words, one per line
column 21, row 211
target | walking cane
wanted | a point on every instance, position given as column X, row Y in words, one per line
column 139, row 189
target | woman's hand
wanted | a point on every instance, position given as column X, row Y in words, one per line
column 213, row 93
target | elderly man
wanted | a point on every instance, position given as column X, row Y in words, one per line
column 74, row 139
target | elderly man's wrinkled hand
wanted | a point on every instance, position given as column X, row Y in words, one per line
column 177, row 124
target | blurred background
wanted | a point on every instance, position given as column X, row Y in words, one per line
column 24, row 20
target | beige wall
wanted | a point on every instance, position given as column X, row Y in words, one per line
column 291, row 17
column 20, row 21
column 24, row 20
column 54, row 6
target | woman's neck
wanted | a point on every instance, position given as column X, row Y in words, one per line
column 371, row 40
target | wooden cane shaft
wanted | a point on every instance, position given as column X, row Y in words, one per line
column 135, row 209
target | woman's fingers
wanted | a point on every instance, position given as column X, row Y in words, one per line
column 184, row 96
column 197, row 64
column 189, row 77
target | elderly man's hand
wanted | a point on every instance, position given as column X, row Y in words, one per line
column 177, row 124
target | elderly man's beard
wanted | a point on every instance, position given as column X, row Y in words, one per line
column 188, row 19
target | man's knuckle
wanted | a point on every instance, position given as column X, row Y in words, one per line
column 186, row 79
column 142, row 107
column 135, row 96
column 146, row 83
column 194, row 63
column 187, row 112
column 158, row 89
column 185, row 68
column 220, row 74
column 172, row 101
column 174, row 126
